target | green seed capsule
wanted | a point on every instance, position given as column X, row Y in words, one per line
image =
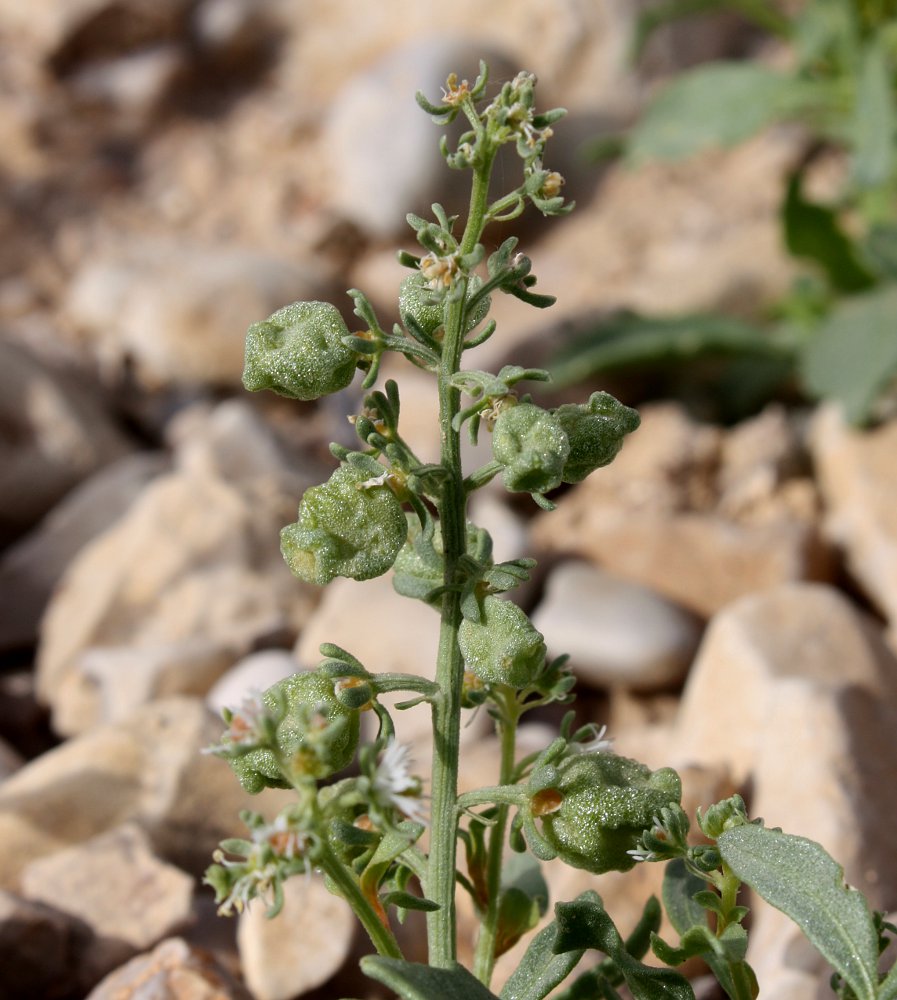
column 599, row 807
column 417, row 300
column 299, row 352
column 345, row 528
column 595, row 431
column 503, row 647
column 532, row 446
column 316, row 735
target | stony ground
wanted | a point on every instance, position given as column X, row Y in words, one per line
column 176, row 169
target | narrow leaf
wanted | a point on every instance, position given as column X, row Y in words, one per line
column 798, row 877
column 584, row 923
column 873, row 123
column 423, row 982
column 541, row 968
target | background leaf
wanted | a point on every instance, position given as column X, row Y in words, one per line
column 799, row 878
column 873, row 125
column 719, row 104
column 853, row 356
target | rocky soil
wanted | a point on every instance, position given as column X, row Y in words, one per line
column 176, row 169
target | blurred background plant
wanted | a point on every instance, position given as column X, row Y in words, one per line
column 833, row 334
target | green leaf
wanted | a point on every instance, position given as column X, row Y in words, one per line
column 853, row 356
column 814, row 232
column 798, row 877
column 679, row 888
column 406, row 901
column 423, row 982
column 542, row 967
column 887, row 989
column 628, row 340
column 584, row 923
column 719, row 104
column 873, row 125
column 523, row 900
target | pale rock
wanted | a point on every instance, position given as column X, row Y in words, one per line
column 40, row 949
column 31, row 568
column 697, row 236
column 300, row 950
column 72, row 30
column 490, row 510
column 114, row 884
column 55, row 433
column 858, row 479
column 178, row 311
column 173, row 970
column 615, row 632
column 256, row 672
column 794, row 691
column 376, row 111
column 181, row 587
column 149, row 769
column 135, row 84
column 656, row 516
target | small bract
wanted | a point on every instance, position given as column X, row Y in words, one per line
column 353, row 525
column 599, row 806
column 532, row 446
column 503, row 647
column 299, row 352
column 595, row 431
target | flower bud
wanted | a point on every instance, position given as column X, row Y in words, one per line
column 299, row 352
column 316, row 735
column 351, row 525
column 418, row 300
column 532, row 446
column 595, row 431
column 598, row 806
column 503, row 647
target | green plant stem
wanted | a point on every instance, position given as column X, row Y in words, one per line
column 484, row 957
column 381, row 936
column 449, row 664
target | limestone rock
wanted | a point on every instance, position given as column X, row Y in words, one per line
column 307, row 943
column 795, row 692
column 615, row 632
column 55, row 433
column 858, row 480
column 40, row 949
column 32, row 567
column 179, row 588
column 676, row 512
column 113, row 883
column 173, row 970
column 10, row 760
column 178, row 313
column 256, row 672
column 149, row 769
column 409, row 173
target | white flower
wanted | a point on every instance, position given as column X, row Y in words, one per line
column 394, row 786
column 598, row 742
column 247, row 725
column 642, row 854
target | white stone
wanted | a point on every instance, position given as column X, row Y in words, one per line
column 114, row 883
column 795, row 691
column 256, row 672
column 302, row 948
column 615, row 632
